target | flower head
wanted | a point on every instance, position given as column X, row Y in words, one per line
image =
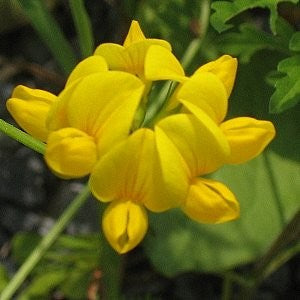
column 90, row 128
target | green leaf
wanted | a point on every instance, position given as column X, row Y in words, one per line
column 295, row 42
column 85, row 242
column 49, row 31
column 179, row 244
column 67, row 265
column 273, row 76
column 287, row 92
column 226, row 10
column 3, row 277
column 76, row 285
column 23, row 244
column 251, row 39
column 66, row 250
column 248, row 41
column 43, row 284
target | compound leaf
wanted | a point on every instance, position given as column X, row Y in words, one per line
column 226, row 10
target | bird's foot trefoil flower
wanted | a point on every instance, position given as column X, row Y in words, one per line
column 93, row 127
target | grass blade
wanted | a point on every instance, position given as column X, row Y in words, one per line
column 49, row 31
column 83, row 26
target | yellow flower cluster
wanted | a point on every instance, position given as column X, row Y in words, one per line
column 89, row 130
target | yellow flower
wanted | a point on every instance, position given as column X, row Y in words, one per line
column 130, row 57
column 204, row 100
column 201, row 148
column 89, row 118
column 132, row 177
column 208, row 90
column 30, row 107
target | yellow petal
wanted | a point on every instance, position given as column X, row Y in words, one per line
column 200, row 142
column 70, row 152
column 103, row 106
column 171, row 175
column 137, row 54
column 225, row 68
column 88, row 66
column 29, row 107
column 115, row 56
column 135, row 34
column 207, row 92
column 125, row 172
column 132, row 170
column 95, row 106
column 161, row 64
column 130, row 59
column 26, row 93
column 247, row 137
column 57, row 116
column 124, row 224
column 210, row 201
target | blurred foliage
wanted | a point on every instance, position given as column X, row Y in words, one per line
column 67, row 267
column 226, row 10
column 250, row 39
column 11, row 15
column 50, row 32
column 176, row 21
column 83, row 27
column 3, row 277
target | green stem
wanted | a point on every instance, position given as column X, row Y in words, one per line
column 111, row 266
column 45, row 244
column 22, row 137
column 227, row 288
column 274, row 188
column 154, row 110
column 281, row 259
column 50, row 32
column 290, row 233
column 195, row 45
column 274, row 257
column 83, row 26
column 239, row 279
column 186, row 60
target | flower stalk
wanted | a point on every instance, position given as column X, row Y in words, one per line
column 22, row 137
